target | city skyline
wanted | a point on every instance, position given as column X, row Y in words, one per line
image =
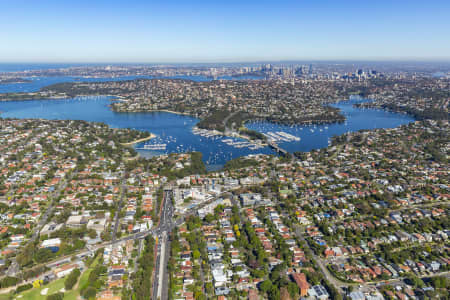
column 201, row 32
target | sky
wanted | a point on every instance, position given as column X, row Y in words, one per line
column 223, row 31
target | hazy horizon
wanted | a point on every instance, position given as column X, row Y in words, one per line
column 231, row 62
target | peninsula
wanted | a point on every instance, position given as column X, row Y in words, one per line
column 14, row 80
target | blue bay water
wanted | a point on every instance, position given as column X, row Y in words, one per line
column 42, row 81
column 318, row 136
column 176, row 130
column 172, row 129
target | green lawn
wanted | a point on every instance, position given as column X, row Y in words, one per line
column 55, row 286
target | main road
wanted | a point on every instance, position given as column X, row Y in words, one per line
column 123, row 190
column 166, row 224
column 328, row 276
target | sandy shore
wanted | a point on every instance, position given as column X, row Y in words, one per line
column 151, row 136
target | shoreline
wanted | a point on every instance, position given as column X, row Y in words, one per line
column 173, row 112
column 150, row 111
column 58, row 97
column 151, row 136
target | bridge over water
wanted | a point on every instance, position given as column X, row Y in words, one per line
column 277, row 148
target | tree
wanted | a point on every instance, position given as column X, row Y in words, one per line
column 196, row 254
column 72, row 279
column 8, row 281
column 23, row 288
column 440, row 282
column 209, row 218
column 416, row 281
column 37, row 283
column 274, row 292
column 292, row 289
column 26, row 256
column 56, row 296
column 199, row 295
column 265, row 286
column 89, row 292
column 43, row 255
column 334, row 293
column 105, row 235
column 92, row 234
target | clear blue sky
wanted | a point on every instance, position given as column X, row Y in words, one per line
column 209, row 31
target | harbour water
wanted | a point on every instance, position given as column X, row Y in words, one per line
column 171, row 129
column 39, row 82
column 176, row 131
column 318, row 136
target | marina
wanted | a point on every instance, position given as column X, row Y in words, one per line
column 157, row 147
column 233, row 140
column 243, row 144
column 206, row 133
column 281, row 136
